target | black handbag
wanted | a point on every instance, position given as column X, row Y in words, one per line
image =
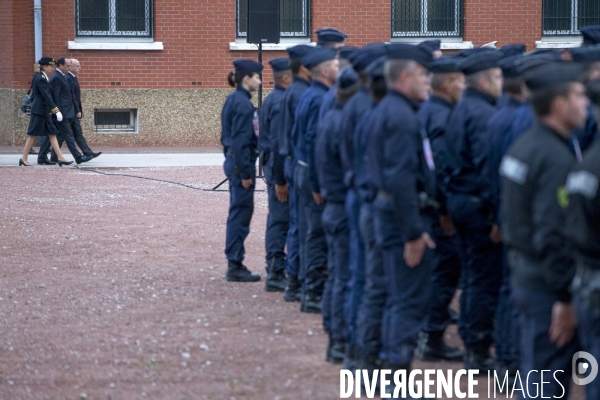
column 27, row 101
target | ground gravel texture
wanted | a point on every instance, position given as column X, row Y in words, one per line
column 112, row 287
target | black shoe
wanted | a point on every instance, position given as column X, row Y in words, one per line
column 237, row 272
column 61, row 163
column 33, row 152
column 431, row 347
column 311, row 303
column 46, row 162
column 53, row 159
column 94, row 155
column 292, row 290
column 275, row 282
column 83, row 159
column 352, row 358
column 479, row 360
column 454, row 316
column 335, row 351
column 22, row 163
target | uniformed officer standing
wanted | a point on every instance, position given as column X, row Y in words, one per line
column 268, row 146
column 534, row 199
column 323, row 64
column 284, row 177
column 448, row 84
column 469, row 205
column 396, row 165
column 332, row 37
column 239, row 121
column 583, row 228
column 330, row 174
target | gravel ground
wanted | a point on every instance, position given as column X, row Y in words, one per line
column 113, row 288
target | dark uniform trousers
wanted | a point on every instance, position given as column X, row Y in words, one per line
column 312, row 242
column 482, row 272
column 78, row 136
column 292, row 243
column 370, row 310
column 241, row 207
column 277, row 225
column 65, row 134
column 407, row 288
column 337, row 232
column 507, row 330
column 445, row 277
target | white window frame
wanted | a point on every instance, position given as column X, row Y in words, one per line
column 424, row 32
column 113, row 32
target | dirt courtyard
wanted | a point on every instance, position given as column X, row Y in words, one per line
column 113, row 287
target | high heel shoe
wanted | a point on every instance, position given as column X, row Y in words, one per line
column 61, row 163
column 22, row 163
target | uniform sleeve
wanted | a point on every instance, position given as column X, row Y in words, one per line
column 56, row 88
column 439, row 150
column 264, row 127
column 241, row 138
column 73, row 91
column 278, row 159
column 310, row 138
column 46, row 92
column 286, row 122
column 347, row 125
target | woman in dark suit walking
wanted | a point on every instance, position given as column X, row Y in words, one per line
column 42, row 109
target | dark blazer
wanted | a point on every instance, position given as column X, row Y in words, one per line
column 74, row 83
column 62, row 95
column 43, row 103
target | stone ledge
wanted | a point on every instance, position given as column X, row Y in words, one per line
column 115, row 45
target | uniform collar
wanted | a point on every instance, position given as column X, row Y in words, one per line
column 551, row 131
column 439, row 100
column 279, row 87
column 58, row 70
column 72, row 74
column 45, row 76
column 301, row 80
column 338, row 105
column 514, row 102
column 319, row 84
column 241, row 89
column 410, row 102
column 476, row 93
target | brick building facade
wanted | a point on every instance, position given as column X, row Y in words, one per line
column 165, row 61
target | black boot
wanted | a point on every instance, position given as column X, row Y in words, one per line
column 275, row 282
column 351, row 357
column 311, row 303
column 480, row 360
column 292, row 290
column 335, row 351
column 431, row 347
column 237, row 272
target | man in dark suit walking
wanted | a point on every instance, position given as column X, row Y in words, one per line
column 74, row 122
column 63, row 97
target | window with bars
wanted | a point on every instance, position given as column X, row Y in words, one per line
column 113, row 18
column 293, row 18
column 565, row 17
column 427, row 18
column 111, row 121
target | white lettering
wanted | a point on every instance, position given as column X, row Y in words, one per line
column 346, row 383
column 534, row 384
column 444, row 383
column 400, row 385
column 412, row 384
column 459, row 394
column 558, row 381
column 517, row 379
column 497, row 383
column 542, row 384
column 427, row 383
column 472, row 383
column 384, row 383
column 370, row 382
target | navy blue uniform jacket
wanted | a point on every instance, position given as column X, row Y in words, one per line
column 62, row 95
column 43, row 103
column 362, row 135
column 76, row 90
column 352, row 112
column 328, row 161
column 270, row 116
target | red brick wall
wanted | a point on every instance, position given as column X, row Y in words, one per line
column 196, row 36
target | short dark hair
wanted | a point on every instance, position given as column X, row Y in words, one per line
column 514, row 85
column 61, row 61
column 295, row 64
column 235, row 78
column 343, row 95
column 278, row 76
column 327, row 44
column 542, row 99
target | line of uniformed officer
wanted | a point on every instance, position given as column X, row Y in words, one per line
column 395, row 199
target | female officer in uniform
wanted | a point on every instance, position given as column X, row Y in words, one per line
column 239, row 122
column 42, row 109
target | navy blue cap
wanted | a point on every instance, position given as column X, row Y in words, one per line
column 513, row 49
column 346, row 51
column 361, row 58
column 318, row 55
column 299, row 51
column 480, row 61
column 466, row 53
column 593, row 90
column 245, row 65
column 431, row 45
column 591, row 35
column 347, row 77
column 445, row 65
column 47, row 61
column 330, row 35
column 280, row 64
column 534, row 60
column 403, row 51
column 375, row 69
column 586, row 54
column 553, row 74
column 511, row 66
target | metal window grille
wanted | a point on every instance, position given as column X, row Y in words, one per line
column 113, row 18
column 108, row 121
column 565, row 17
column 424, row 18
column 293, row 18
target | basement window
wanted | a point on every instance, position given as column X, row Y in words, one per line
column 116, row 121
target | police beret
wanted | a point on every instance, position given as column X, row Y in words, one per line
column 593, row 91
column 591, row 35
column 245, row 65
column 346, row 51
column 511, row 66
column 47, row 61
column 347, row 77
column 480, row 61
column 330, row 35
column 299, row 51
column 280, row 64
column 513, row 49
column 534, row 60
column 362, row 57
column 553, row 74
column 318, row 56
column 431, row 45
column 586, row 54
column 403, row 51
column 445, row 65
column 375, row 69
